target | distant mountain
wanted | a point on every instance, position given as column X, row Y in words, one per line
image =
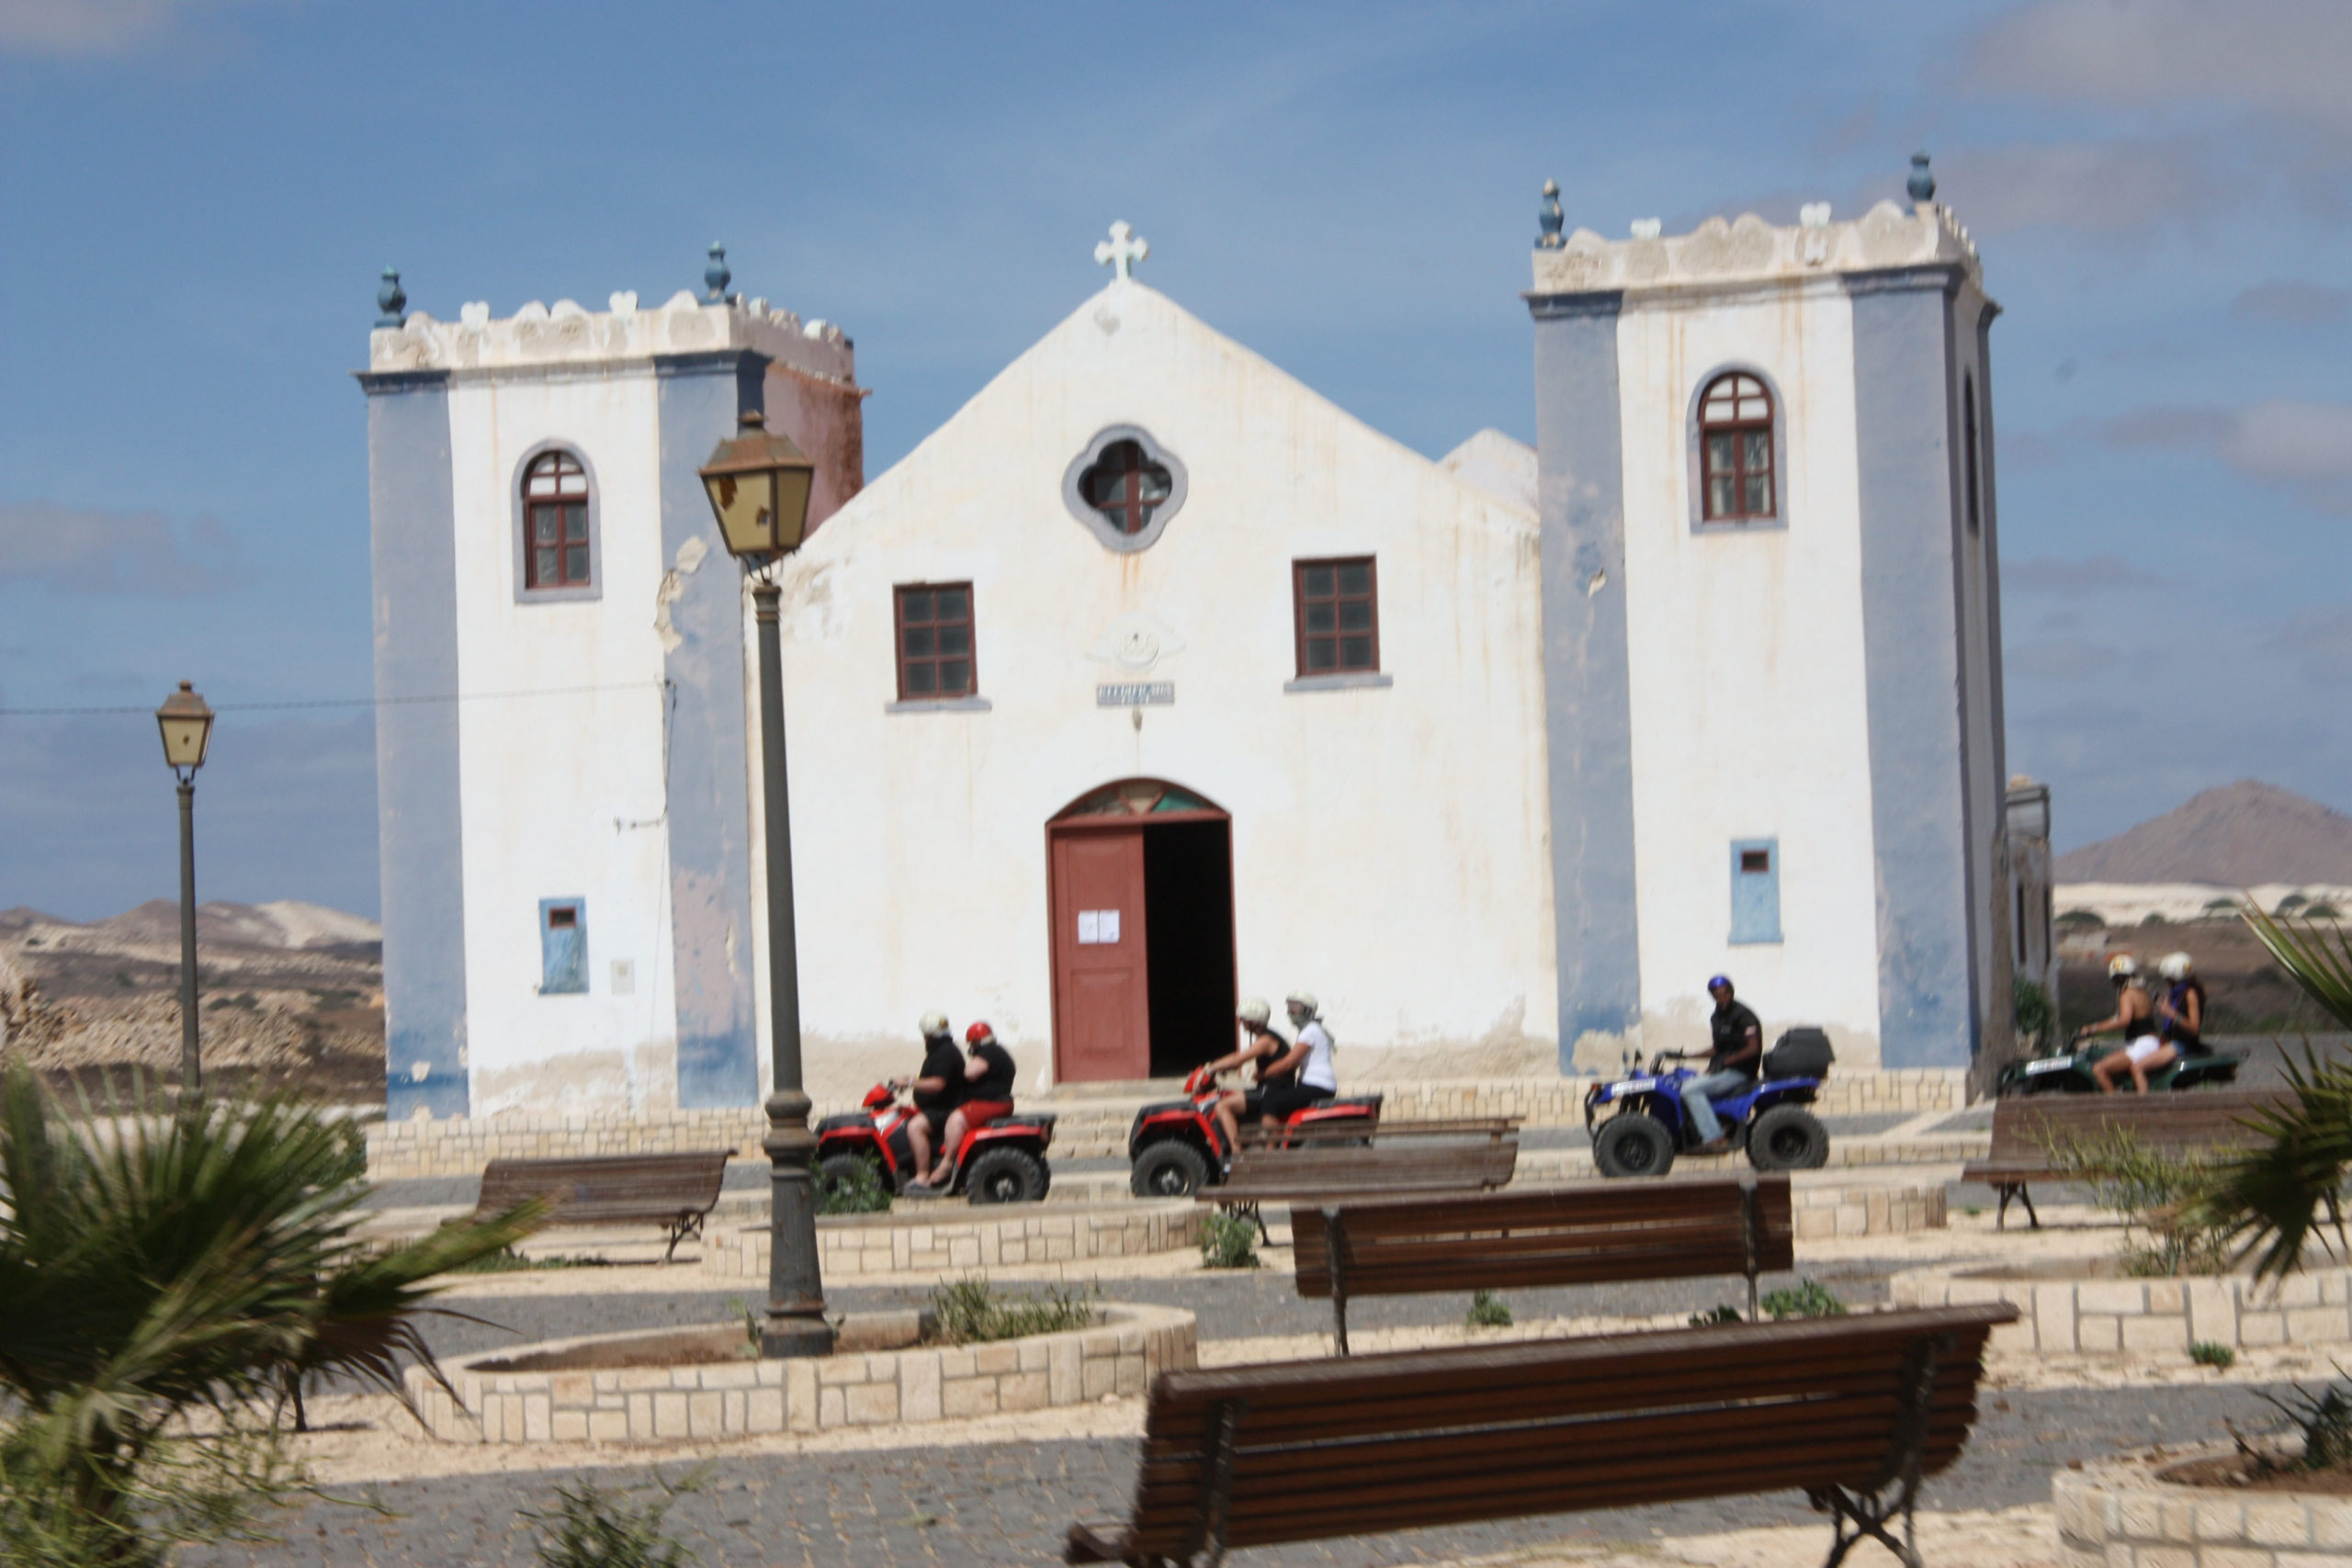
column 2238, row 836
column 284, row 922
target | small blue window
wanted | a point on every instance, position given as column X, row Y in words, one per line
column 563, row 946
column 1755, row 890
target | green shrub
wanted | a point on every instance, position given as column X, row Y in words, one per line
column 1717, row 1314
column 860, row 1192
column 167, row 1282
column 1228, row 1241
column 1808, row 1298
column 2212, row 1353
column 1488, row 1310
column 591, row 1527
column 968, row 1313
column 2081, row 920
column 506, row 1260
column 2323, row 1419
column 2164, row 1198
column 2035, row 1016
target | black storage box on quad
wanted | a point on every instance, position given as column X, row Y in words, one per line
column 1801, row 1053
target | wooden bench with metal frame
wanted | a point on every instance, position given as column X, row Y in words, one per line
column 2179, row 1123
column 1599, row 1233
column 1852, row 1411
column 1313, row 1134
column 1354, row 1169
column 674, row 1190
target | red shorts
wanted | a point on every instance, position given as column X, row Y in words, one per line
column 979, row 1113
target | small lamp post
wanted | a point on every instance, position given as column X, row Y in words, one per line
column 759, row 484
column 186, row 725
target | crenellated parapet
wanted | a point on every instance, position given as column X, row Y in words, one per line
column 1750, row 250
column 541, row 337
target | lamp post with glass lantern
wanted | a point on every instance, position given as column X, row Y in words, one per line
column 758, row 482
column 186, row 725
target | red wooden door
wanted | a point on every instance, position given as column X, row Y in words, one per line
column 1102, row 989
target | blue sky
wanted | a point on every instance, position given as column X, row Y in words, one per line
column 195, row 199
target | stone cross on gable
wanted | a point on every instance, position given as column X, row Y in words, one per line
column 1122, row 250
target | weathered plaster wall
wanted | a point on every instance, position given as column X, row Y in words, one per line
column 1388, row 842
column 1746, row 669
column 564, row 794
column 412, row 545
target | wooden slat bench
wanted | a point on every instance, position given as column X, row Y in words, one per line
column 673, row 1191
column 1852, row 1411
column 1600, row 1232
column 2186, row 1122
column 1471, row 1163
column 1265, row 1134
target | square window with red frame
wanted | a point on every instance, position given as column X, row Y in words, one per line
column 1338, row 606
column 936, row 657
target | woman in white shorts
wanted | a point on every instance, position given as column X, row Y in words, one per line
column 2136, row 1020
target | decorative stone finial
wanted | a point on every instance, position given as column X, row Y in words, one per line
column 1549, row 218
column 1922, row 184
column 391, row 304
column 1122, row 250
column 716, row 277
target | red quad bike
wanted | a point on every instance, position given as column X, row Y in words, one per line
column 1178, row 1147
column 1003, row 1162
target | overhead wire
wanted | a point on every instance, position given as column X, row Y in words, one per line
column 343, row 702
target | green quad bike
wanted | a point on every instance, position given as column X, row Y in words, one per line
column 2067, row 1070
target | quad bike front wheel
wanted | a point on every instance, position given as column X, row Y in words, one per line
column 1169, row 1169
column 1006, row 1175
column 848, row 1170
column 1630, row 1144
column 1788, row 1137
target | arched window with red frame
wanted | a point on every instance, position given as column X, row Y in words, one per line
column 1735, row 479
column 555, row 523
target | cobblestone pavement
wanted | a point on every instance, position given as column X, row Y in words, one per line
column 1012, row 1503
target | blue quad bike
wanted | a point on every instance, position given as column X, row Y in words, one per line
column 1638, row 1124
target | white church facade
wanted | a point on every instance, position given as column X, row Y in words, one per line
column 1152, row 678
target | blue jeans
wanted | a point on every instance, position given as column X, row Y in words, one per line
column 1695, row 1093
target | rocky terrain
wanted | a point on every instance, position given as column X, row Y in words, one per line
column 291, row 995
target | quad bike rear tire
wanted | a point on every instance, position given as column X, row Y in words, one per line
column 833, row 1169
column 1171, row 1168
column 1788, row 1137
column 1005, row 1176
column 1630, row 1144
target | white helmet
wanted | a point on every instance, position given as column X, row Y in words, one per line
column 2122, row 967
column 934, row 1023
column 2175, row 967
column 1256, row 1012
column 1302, row 1001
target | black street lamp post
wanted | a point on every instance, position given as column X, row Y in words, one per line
column 186, row 725
column 759, row 484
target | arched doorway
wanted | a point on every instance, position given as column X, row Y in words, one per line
column 1139, row 880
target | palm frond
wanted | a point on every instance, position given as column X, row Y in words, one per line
column 2319, row 961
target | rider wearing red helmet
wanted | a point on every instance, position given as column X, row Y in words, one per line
column 987, row 1094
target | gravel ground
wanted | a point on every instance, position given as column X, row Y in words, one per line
column 1012, row 1503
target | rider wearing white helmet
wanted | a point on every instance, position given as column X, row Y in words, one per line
column 1261, row 1045
column 2181, row 1012
column 2134, row 1019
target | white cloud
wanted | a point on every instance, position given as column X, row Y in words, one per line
column 2321, row 642
column 2292, row 304
column 2305, row 448
column 2284, row 57
column 88, row 28
column 94, row 551
column 2112, row 187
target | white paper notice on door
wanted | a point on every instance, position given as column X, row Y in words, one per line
column 1098, row 928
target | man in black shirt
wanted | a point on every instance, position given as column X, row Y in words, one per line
column 1731, row 1064
column 937, row 1092
column 987, row 1084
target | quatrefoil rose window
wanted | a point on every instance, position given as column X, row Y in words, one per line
column 1125, row 487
